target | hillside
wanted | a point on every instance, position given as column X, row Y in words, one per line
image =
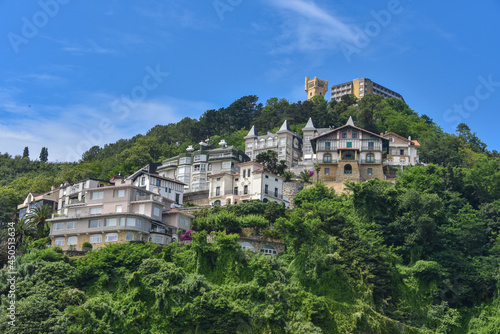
column 419, row 255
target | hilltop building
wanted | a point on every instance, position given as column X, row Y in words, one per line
column 361, row 87
column 286, row 143
column 402, row 151
column 316, row 87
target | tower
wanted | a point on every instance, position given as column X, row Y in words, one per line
column 316, row 87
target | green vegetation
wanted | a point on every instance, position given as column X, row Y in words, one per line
column 420, row 255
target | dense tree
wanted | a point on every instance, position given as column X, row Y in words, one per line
column 44, row 154
column 26, row 153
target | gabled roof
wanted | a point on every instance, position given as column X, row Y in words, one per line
column 158, row 176
column 412, row 142
column 345, row 126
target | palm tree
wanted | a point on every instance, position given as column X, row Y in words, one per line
column 305, row 176
column 23, row 231
column 38, row 216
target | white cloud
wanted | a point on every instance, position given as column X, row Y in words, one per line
column 78, row 127
column 309, row 28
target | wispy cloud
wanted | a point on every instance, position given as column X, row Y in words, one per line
column 307, row 27
column 79, row 126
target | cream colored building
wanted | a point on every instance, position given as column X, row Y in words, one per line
column 360, row 88
column 120, row 213
column 253, row 182
column 316, row 87
column 286, row 143
column 402, row 151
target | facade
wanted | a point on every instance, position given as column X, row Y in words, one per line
column 402, row 151
column 309, row 131
column 361, row 87
column 251, row 183
column 147, row 178
column 119, row 213
column 349, row 153
column 195, row 166
column 286, row 143
column 34, row 200
column 69, row 194
column 316, row 87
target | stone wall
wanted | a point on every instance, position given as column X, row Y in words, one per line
column 290, row 189
column 197, row 197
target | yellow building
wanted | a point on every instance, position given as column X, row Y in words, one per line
column 316, row 87
column 361, row 87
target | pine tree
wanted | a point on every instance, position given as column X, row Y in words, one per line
column 44, row 154
column 26, row 153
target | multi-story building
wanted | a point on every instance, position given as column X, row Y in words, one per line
column 286, row 143
column 350, row 153
column 360, row 88
column 119, row 213
column 316, row 87
column 75, row 193
column 253, row 182
column 402, row 151
column 148, row 178
column 34, row 200
column 194, row 167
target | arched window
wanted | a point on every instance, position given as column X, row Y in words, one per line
column 217, row 202
column 72, row 240
column 348, row 169
column 247, row 246
column 268, row 249
column 270, row 142
column 129, row 236
column 327, row 158
column 95, row 238
column 370, row 157
column 110, row 237
column 59, row 242
column 265, row 200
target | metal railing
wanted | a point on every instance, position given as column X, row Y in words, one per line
column 329, row 161
column 371, row 161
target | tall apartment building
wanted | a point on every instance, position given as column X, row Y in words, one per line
column 193, row 167
column 361, row 87
column 286, row 143
column 119, row 213
column 316, row 87
column 350, row 153
column 253, row 182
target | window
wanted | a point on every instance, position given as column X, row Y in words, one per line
column 249, row 147
column 120, row 193
column 217, row 191
column 268, row 249
column 130, row 221
column 307, row 139
column 185, row 160
column 370, row 171
column 143, row 181
column 59, row 242
column 184, row 170
column 158, row 239
column 344, row 134
column 266, row 189
column 349, row 144
column 118, row 208
column 200, row 158
column 226, row 164
column 139, row 222
column 244, row 173
column 348, row 169
column 327, row 171
column 267, row 176
column 327, row 145
column 245, row 190
column 70, row 225
column 177, row 199
column 275, row 192
column 308, row 148
column 183, row 221
column 94, row 223
column 269, row 142
column 217, row 202
column 235, row 191
column 371, row 145
column 110, row 237
column 72, row 240
column 95, row 211
column 247, row 246
column 156, row 212
column 354, row 134
column 122, row 221
column 95, row 238
column 327, row 158
column 58, row 226
column 129, row 236
column 97, row 195
column 78, row 212
column 370, row 157
column 209, row 167
column 401, row 152
column 361, row 94
column 282, row 141
column 142, row 208
column 110, row 222
column 158, row 182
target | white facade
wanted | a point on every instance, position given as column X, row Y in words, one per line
column 402, row 151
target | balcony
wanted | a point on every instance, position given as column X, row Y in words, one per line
column 325, row 147
column 370, row 162
column 366, row 147
column 73, row 190
column 328, row 161
column 148, row 197
column 171, row 164
column 76, row 201
column 157, row 229
column 222, row 156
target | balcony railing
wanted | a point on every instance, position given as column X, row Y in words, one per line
column 171, row 164
column 222, row 156
column 76, row 201
column 73, row 190
column 323, row 147
column 370, row 162
column 158, row 230
column 148, row 197
column 329, row 161
column 366, row 147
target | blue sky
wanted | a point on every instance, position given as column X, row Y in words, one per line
column 81, row 73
